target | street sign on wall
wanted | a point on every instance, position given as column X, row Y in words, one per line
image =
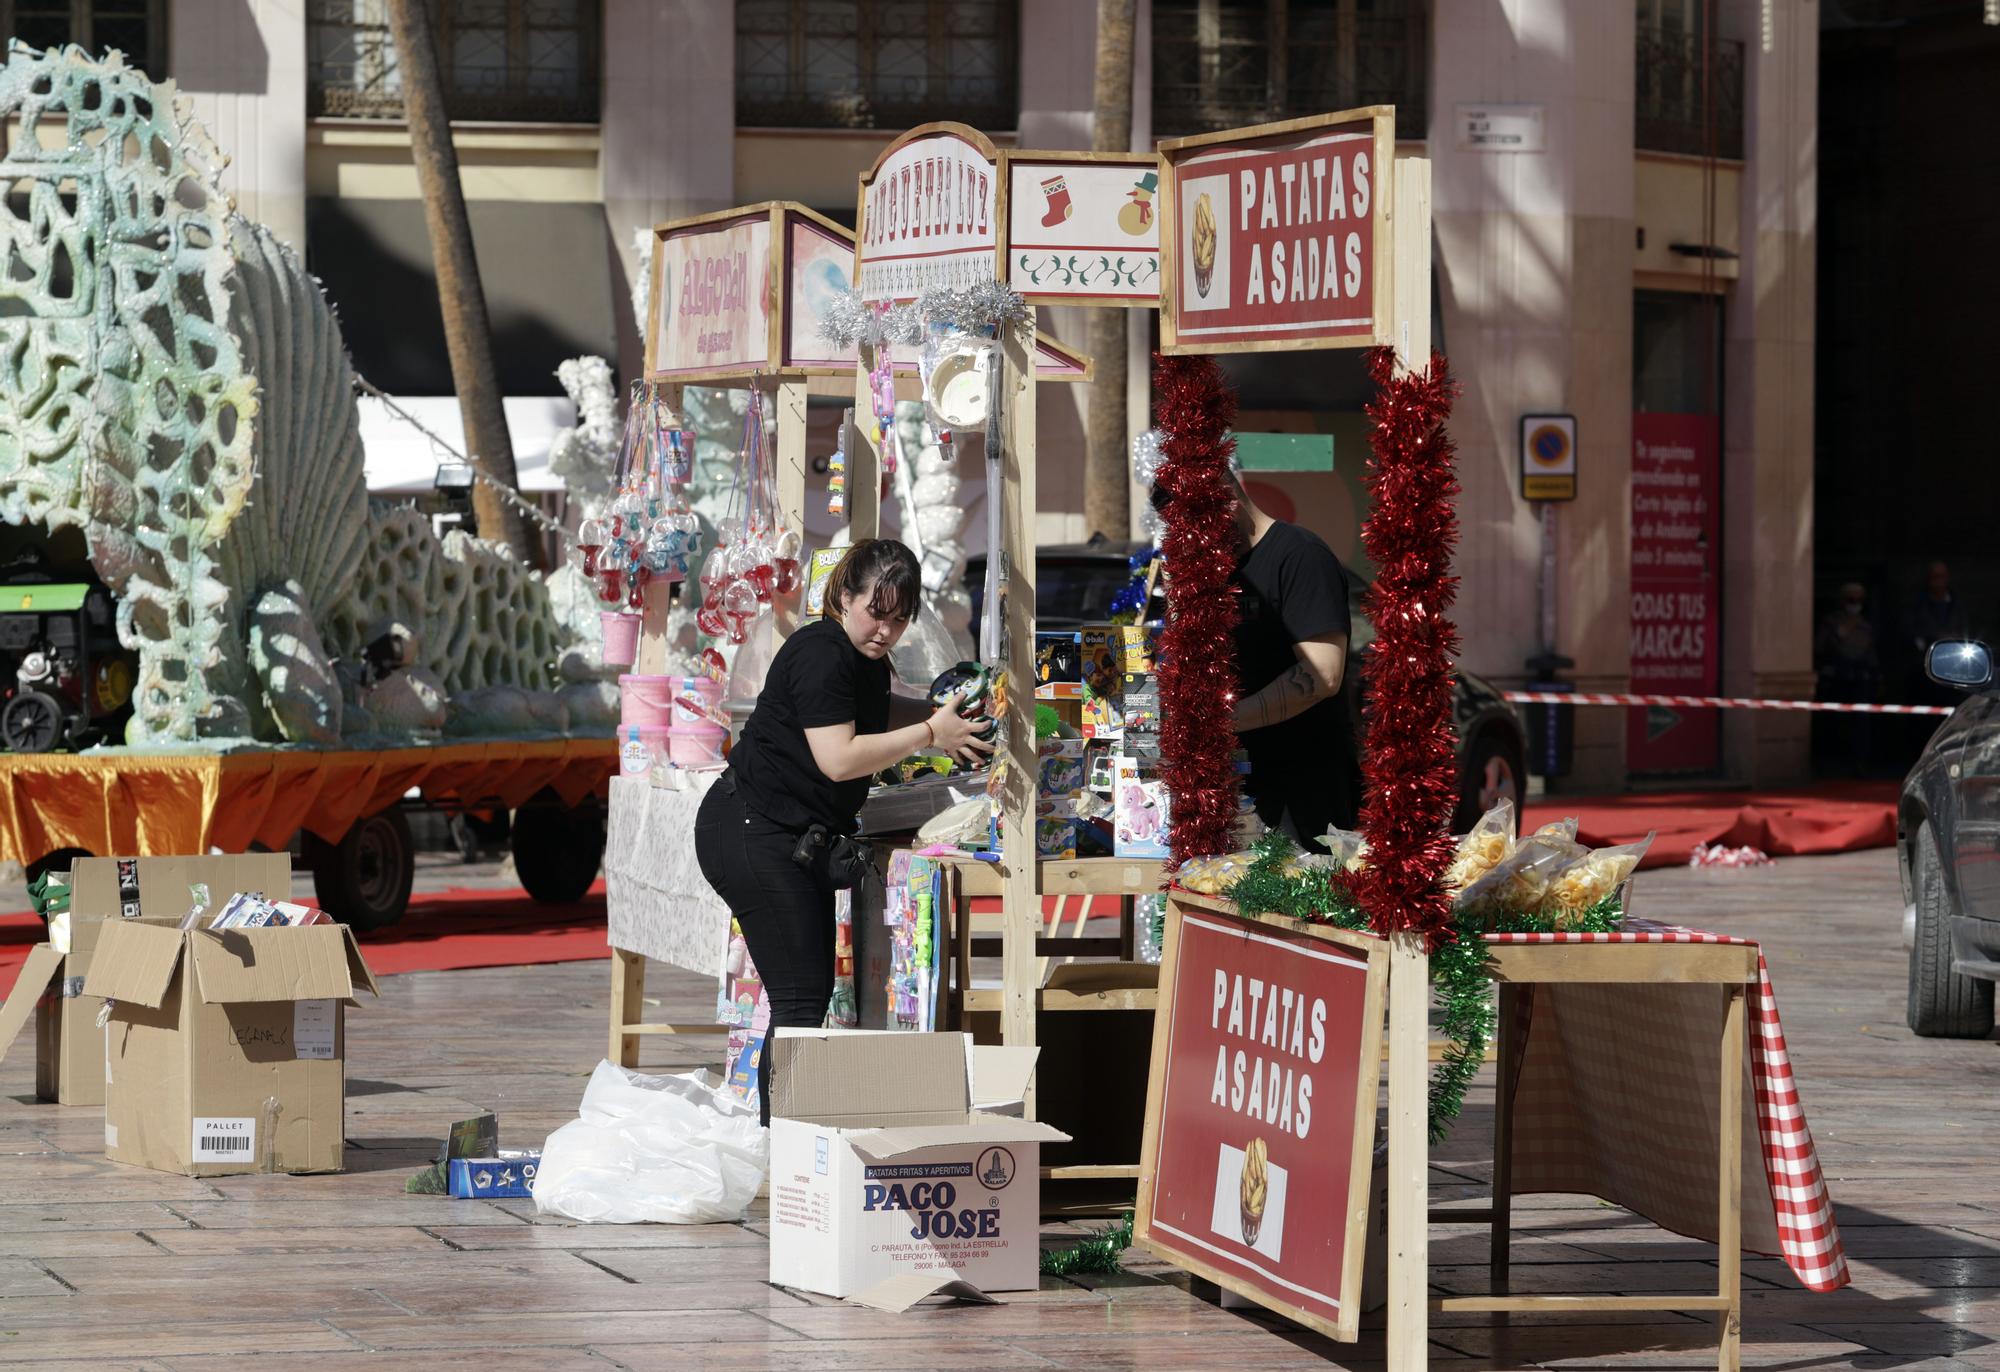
column 929, row 214
column 1083, row 228
column 1260, row 1111
column 1277, row 237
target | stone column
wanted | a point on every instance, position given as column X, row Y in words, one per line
column 1534, row 262
column 1767, row 441
column 244, row 65
column 669, row 128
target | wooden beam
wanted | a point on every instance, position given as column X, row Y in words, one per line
column 790, row 491
column 864, row 463
column 628, row 990
column 1022, row 901
column 1573, row 1305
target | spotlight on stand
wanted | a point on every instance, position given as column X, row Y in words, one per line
column 453, row 485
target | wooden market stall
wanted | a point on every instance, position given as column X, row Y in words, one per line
column 736, row 301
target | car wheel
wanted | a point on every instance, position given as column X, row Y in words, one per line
column 1943, row 1004
column 364, row 880
column 1492, row 770
column 558, row 849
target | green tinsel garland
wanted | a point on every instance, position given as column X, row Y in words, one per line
column 1458, row 969
column 1098, row 1253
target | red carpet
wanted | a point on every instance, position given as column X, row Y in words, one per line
column 1834, row 817
column 443, row 930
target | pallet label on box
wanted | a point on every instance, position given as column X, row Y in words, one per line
column 312, row 1028
column 224, row 1138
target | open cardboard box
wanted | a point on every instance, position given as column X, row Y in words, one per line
column 225, row 1050
column 882, row 1169
column 69, row 1044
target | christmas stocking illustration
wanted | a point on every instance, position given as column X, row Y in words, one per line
column 1059, row 207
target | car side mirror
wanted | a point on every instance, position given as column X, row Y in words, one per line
column 1961, row 664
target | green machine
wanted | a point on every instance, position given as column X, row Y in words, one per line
column 71, row 682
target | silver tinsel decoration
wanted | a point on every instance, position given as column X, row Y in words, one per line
column 1146, row 459
column 849, row 320
column 1146, row 456
column 987, row 305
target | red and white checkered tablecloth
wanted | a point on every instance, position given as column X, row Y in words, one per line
column 1580, row 1127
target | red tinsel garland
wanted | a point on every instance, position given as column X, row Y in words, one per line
column 1194, row 408
column 1409, row 772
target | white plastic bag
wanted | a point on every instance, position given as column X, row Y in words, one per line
column 669, row 1150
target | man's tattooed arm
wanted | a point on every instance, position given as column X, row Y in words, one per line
column 1316, row 676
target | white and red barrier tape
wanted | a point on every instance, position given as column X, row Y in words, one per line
column 1714, row 702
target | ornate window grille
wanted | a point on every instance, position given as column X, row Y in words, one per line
column 1220, row 64
column 502, row 60
column 877, row 64
column 1670, row 113
column 137, row 28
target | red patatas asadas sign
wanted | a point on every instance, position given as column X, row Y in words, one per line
column 1261, row 1109
column 1277, row 236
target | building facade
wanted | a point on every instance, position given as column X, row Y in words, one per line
column 1624, row 234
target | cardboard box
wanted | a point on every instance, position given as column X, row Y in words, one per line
column 226, row 1049
column 69, row 1045
column 511, row 1175
column 881, row 1169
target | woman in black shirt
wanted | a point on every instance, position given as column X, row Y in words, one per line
column 824, row 724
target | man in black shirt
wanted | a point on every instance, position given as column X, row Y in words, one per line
column 1291, row 659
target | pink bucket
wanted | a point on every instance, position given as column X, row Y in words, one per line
column 696, row 750
column 646, row 701
column 621, row 637
column 636, row 757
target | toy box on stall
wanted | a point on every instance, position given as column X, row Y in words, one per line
column 881, row 1166
column 1059, row 788
column 1103, row 681
column 1140, row 818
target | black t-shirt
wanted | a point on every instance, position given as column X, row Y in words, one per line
column 1303, row 770
column 817, row 678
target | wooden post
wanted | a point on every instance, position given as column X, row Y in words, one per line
column 1409, row 964
column 628, row 991
column 864, row 463
column 1729, row 1221
column 1504, row 1067
column 790, row 487
column 1022, row 900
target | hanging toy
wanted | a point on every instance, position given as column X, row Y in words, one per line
column 836, row 470
column 785, row 563
column 589, row 539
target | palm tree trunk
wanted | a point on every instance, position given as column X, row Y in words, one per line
column 468, row 336
column 1106, row 487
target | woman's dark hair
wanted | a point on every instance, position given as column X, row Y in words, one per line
column 886, row 570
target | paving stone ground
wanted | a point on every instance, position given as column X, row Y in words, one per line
column 104, row 1266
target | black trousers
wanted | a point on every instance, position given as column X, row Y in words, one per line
column 786, row 910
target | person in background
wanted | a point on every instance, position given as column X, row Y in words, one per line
column 1850, row 671
column 1934, row 614
column 1292, row 634
column 773, row 835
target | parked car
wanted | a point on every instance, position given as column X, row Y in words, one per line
column 1075, row 585
column 1948, row 845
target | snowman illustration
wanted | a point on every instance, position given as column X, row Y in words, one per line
column 1137, row 216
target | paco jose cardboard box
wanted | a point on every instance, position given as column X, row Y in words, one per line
column 882, row 1169
column 225, row 1050
column 69, row 1044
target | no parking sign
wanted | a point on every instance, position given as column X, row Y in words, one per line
column 1548, row 457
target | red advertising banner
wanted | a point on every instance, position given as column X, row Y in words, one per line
column 1277, row 237
column 1261, row 1110
column 1676, row 588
